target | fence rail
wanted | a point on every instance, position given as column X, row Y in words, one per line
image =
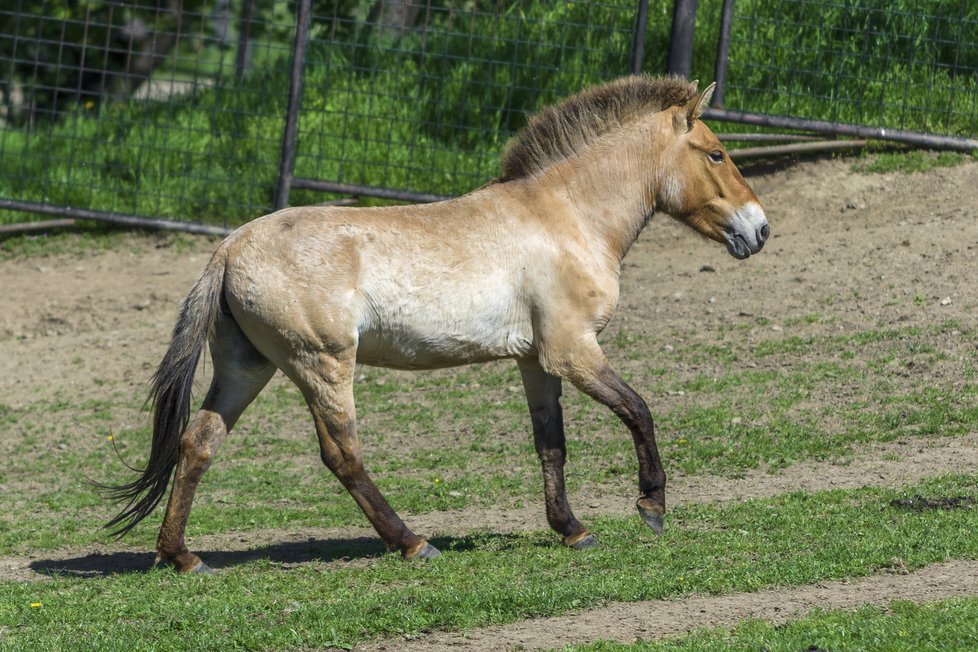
column 202, row 114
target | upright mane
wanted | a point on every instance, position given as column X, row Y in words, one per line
column 560, row 131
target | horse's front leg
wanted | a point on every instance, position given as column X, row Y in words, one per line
column 543, row 398
column 590, row 371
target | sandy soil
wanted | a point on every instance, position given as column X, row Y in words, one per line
column 871, row 251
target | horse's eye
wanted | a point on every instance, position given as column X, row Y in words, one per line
column 716, row 156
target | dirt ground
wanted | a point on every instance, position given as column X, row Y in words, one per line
column 870, row 250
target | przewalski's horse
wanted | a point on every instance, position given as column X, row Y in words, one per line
column 525, row 267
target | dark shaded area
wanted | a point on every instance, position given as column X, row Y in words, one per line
column 921, row 504
column 287, row 553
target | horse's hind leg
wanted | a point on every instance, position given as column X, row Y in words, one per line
column 328, row 389
column 543, row 398
column 240, row 373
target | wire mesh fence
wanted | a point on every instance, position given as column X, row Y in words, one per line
column 178, row 109
column 139, row 107
column 909, row 65
column 424, row 97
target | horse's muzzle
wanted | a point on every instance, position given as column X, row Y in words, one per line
column 747, row 231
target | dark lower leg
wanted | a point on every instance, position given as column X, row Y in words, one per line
column 543, row 393
column 559, row 514
column 607, row 387
column 340, row 449
column 394, row 532
column 634, row 413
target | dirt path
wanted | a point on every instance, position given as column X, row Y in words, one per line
column 659, row 619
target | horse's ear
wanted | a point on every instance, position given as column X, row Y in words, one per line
column 684, row 118
column 702, row 102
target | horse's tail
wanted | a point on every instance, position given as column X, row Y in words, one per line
column 170, row 395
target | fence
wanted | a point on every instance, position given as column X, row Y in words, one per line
column 202, row 114
column 889, row 69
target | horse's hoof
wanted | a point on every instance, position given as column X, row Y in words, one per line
column 182, row 566
column 201, row 569
column 427, row 552
column 652, row 517
column 582, row 543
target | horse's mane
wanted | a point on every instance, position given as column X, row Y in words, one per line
column 560, row 131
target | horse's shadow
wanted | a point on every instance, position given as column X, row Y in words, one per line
column 287, row 554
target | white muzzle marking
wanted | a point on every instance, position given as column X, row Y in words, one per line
column 746, row 231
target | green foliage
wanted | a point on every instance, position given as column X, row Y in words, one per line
column 61, row 52
column 898, row 65
column 911, row 161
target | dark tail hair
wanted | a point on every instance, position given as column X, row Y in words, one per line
column 170, row 395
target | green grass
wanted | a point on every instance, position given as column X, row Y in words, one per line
column 483, row 578
column 928, row 627
column 904, row 161
column 87, row 238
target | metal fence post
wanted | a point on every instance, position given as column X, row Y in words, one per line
column 723, row 48
column 287, row 160
column 638, row 36
column 681, row 38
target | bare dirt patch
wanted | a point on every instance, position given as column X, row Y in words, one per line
column 85, row 323
column 923, row 504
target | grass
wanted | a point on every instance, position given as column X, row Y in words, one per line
column 482, row 578
column 928, row 627
column 87, row 238
column 908, row 161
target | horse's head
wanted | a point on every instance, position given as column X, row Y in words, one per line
column 702, row 187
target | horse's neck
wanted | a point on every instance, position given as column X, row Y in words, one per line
column 612, row 190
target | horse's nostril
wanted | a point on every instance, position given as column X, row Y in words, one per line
column 764, row 232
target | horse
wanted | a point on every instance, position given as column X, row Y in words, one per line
column 526, row 267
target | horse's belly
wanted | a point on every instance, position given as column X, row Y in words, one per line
column 431, row 341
